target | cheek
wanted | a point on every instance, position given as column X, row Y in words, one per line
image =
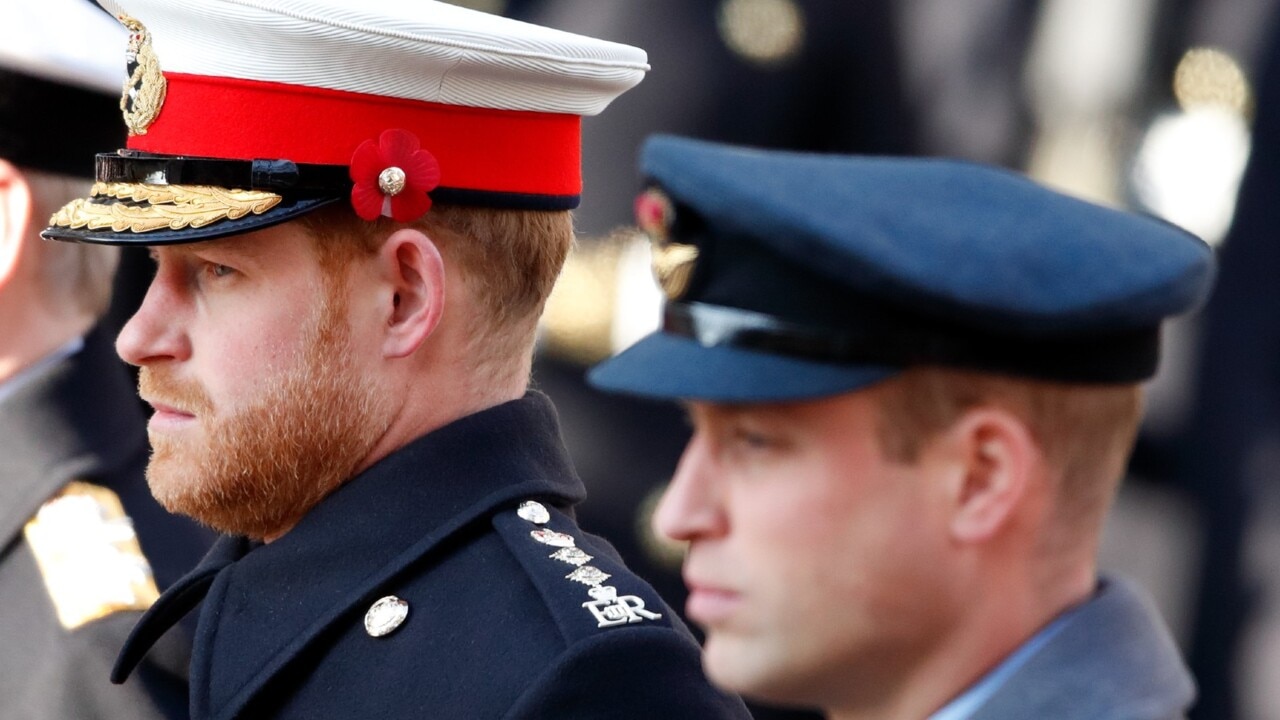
column 790, row 528
column 844, row 527
column 235, row 361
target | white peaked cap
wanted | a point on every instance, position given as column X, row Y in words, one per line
column 289, row 105
column 412, row 49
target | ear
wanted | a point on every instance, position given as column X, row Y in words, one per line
column 413, row 266
column 997, row 460
column 15, row 219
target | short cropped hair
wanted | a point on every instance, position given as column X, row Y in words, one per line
column 1086, row 432
column 76, row 277
column 511, row 259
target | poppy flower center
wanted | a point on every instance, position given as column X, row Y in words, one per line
column 391, row 181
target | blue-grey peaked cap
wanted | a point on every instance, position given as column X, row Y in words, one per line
column 819, row 274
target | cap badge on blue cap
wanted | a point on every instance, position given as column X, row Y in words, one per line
column 673, row 263
column 144, row 91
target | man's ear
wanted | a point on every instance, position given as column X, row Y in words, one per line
column 412, row 264
column 997, row 461
column 15, row 219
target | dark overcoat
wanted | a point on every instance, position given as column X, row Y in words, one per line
column 510, row 613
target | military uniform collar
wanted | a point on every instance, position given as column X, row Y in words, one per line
column 62, row 423
column 1111, row 658
column 334, row 561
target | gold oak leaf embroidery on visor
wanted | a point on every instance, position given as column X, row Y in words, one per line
column 142, row 208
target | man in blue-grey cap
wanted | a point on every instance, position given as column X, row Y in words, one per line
column 914, row 387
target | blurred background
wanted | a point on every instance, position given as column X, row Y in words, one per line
column 1170, row 107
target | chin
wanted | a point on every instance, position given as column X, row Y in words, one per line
column 736, row 665
column 755, row 671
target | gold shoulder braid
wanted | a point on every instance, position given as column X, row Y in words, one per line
column 88, row 554
column 145, row 89
column 142, row 208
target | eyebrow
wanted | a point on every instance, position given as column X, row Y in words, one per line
column 233, row 244
column 693, row 410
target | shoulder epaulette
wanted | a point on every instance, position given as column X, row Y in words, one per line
column 88, row 555
column 585, row 586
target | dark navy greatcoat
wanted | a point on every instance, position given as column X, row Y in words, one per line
column 79, row 420
column 496, row 628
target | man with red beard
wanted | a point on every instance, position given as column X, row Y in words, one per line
column 356, row 212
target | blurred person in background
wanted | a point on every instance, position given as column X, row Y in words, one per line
column 84, row 548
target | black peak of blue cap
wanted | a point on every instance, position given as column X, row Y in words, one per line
column 840, row 269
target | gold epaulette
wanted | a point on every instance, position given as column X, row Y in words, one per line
column 88, row 554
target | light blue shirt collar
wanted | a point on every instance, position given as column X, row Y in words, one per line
column 968, row 702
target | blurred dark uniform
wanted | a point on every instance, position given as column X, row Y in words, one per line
column 84, row 548
column 1215, row 454
column 73, row 582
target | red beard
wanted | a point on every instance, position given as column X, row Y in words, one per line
column 259, row 469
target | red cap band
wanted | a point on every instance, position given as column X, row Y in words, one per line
column 508, row 151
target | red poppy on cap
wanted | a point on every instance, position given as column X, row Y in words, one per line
column 392, row 177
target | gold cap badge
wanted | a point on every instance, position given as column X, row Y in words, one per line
column 145, row 89
column 673, row 263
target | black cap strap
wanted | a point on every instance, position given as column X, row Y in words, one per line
column 285, row 177
column 1114, row 358
column 282, row 176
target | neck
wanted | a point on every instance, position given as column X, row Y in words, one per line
column 435, row 398
column 990, row 630
column 28, row 333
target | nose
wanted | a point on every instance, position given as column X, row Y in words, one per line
column 692, row 506
column 155, row 332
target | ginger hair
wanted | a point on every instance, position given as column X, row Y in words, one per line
column 510, row 260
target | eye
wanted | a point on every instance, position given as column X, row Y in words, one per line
column 218, row 270
column 753, row 440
